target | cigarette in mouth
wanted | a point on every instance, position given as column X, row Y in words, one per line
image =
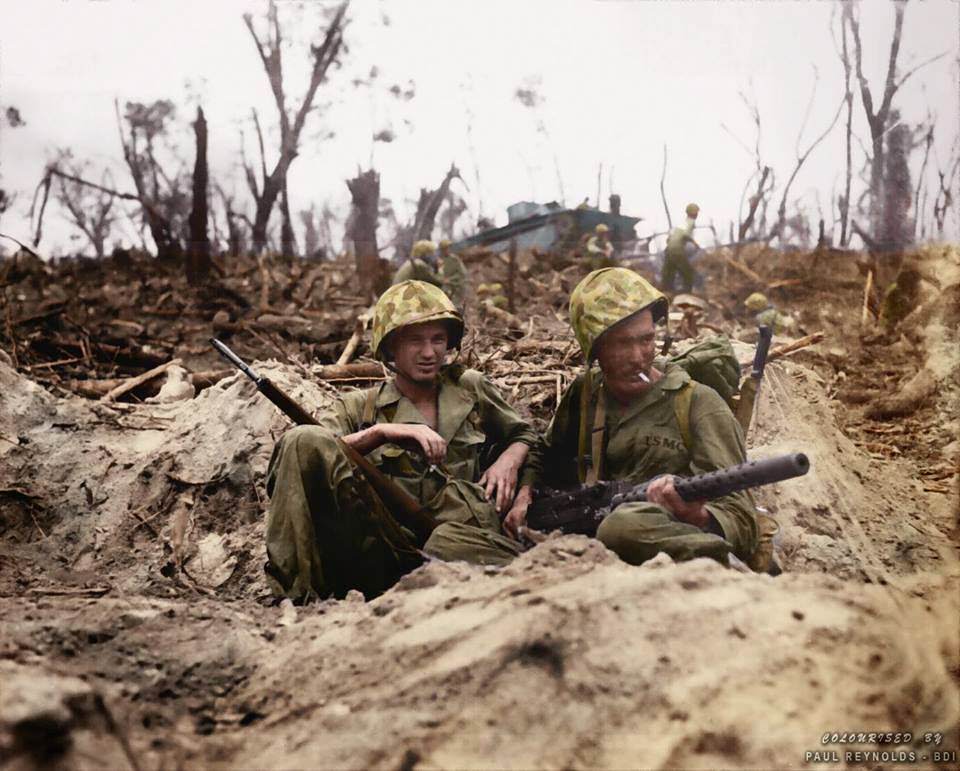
column 643, row 377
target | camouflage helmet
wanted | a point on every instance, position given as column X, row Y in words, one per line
column 445, row 243
column 606, row 297
column 601, row 228
column 756, row 302
column 692, row 210
column 423, row 249
column 413, row 302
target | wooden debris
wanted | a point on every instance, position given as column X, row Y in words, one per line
column 737, row 265
column 804, row 342
column 130, row 383
column 867, row 289
column 908, row 400
column 493, row 311
column 354, row 370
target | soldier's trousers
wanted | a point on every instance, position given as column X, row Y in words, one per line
column 637, row 532
column 674, row 264
column 328, row 532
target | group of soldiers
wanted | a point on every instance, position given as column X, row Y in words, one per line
column 446, row 436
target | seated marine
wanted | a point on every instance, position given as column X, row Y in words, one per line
column 427, row 429
column 632, row 419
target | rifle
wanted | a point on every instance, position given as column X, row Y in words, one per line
column 583, row 509
column 398, row 501
column 751, row 388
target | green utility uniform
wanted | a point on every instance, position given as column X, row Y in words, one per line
column 644, row 440
column 600, row 253
column 328, row 532
column 454, row 278
column 676, row 260
column 772, row 318
column 416, row 269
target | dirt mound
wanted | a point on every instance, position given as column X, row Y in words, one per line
column 121, row 490
column 567, row 658
column 138, row 631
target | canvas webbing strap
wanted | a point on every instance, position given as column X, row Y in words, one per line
column 368, row 418
column 681, row 408
column 582, row 430
column 597, row 436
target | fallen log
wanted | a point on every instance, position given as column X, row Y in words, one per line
column 97, row 388
column 357, row 369
column 736, row 264
column 493, row 311
column 130, row 383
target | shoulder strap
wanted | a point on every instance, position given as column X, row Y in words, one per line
column 582, row 432
column 368, row 418
column 681, row 409
column 597, row 436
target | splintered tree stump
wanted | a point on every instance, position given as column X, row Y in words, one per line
column 365, row 195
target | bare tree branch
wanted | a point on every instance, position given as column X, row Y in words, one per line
column 920, row 66
column 801, row 159
column 663, row 193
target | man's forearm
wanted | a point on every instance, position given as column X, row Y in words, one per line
column 516, row 452
column 365, row 441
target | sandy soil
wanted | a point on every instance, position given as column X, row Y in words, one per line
column 138, row 631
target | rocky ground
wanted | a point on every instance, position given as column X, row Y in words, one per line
column 138, row 630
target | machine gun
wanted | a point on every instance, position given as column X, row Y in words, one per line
column 583, row 509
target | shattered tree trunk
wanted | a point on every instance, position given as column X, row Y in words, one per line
column 429, row 205
column 198, row 252
column 365, row 196
column 754, row 202
column 288, row 242
column 270, row 55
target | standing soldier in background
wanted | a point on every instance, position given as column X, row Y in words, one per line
column 680, row 248
column 328, row 531
column 422, row 265
column 450, row 275
column 453, row 274
column 599, row 248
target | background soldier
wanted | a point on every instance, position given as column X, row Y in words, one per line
column 453, row 274
column 599, row 248
column 450, row 275
column 422, row 265
column 680, row 248
column 328, row 531
column 631, row 420
column 765, row 313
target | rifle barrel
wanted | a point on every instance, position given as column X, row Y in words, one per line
column 235, row 360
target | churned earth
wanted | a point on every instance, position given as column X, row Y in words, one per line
column 137, row 630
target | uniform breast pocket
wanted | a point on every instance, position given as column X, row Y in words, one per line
column 463, row 453
column 395, row 461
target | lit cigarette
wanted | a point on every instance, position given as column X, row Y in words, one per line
column 643, row 377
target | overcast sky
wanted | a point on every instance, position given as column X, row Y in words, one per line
column 619, row 79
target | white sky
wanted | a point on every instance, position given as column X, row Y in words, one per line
column 620, row 78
